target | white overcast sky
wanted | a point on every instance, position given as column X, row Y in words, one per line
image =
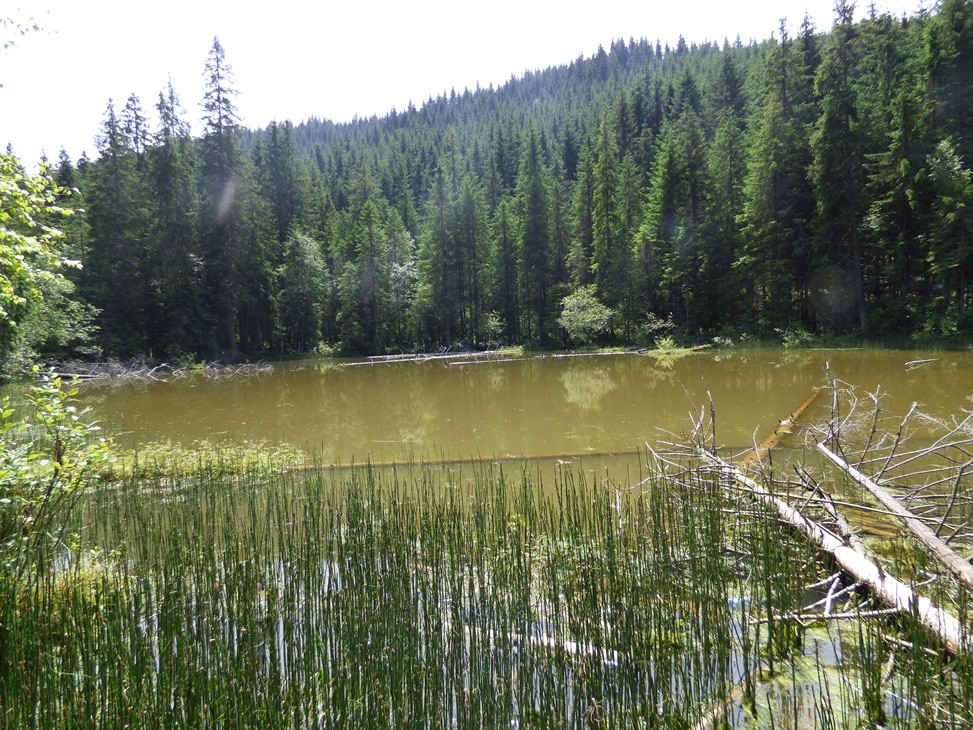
column 333, row 60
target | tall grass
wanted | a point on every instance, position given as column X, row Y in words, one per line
column 414, row 598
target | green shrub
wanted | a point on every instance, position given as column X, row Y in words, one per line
column 45, row 462
column 583, row 317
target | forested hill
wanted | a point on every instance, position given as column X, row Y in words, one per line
column 819, row 182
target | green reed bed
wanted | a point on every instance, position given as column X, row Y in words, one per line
column 413, row 598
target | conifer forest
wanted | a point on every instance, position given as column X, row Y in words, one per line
column 819, row 182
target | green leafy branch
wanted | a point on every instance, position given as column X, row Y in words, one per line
column 45, row 463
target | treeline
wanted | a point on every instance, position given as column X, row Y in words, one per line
column 818, row 182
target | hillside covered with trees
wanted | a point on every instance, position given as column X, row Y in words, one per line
column 820, row 182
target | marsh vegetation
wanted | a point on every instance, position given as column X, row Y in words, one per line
column 234, row 585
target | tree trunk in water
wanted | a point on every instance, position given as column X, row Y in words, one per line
column 960, row 567
column 894, row 593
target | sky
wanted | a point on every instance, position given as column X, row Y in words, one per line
column 292, row 60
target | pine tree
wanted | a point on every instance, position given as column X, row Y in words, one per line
column 177, row 323
column 135, row 128
column 438, row 275
column 582, row 205
column 302, row 288
column 609, row 263
column 897, row 190
column 774, row 259
column 560, row 228
column 532, row 193
column 950, row 66
column 403, row 279
column 837, row 168
column 115, row 275
column 471, row 250
column 282, row 178
column 221, row 181
column 726, row 167
column 504, row 271
column 371, row 258
column 951, row 225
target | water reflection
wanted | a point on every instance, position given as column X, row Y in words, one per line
column 586, row 386
column 346, row 411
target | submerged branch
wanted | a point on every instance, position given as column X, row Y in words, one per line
column 784, row 429
column 843, row 616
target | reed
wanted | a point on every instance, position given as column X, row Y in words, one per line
column 434, row 597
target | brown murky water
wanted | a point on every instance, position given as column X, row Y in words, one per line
column 530, row 407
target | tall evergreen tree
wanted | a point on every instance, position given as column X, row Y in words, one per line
column 403, row 278
column 837, row 169
column 471, row 250
column 302, row 287
column 177, row 316
column 282, row 178
column 506, row 302
column 532, row 193
column 950, row 66
column 438, row 274
column 608, row 258
column 115, row 274
column 774, row 258
column 582, row 204
column 221, row 182
column 726, row 167
column 951, row 224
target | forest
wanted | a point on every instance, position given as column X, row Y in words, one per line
column 811, row 183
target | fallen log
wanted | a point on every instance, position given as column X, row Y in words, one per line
column 717, row 715
column 609, row 658
column 784, row 429
column 960, row 567
column 78, row 376
column 891, row 591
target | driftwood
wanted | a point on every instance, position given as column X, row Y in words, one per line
column 891, row 591
column 846, row 549
column 846, row 532
column 960, row 567
column 449, row 358
column 486, row 360
column 559, row 355
column 843, row 616
column 913, row 364
column 114, row 372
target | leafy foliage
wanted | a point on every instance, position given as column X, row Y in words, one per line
column 37, row 308
column 583, row 317
column 45, row 462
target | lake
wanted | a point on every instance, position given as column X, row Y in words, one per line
column 544, row 406
column 375, row 598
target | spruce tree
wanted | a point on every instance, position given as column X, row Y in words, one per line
column 836, row 171
column 221, row 182
column 116, row 273
column 504, row 271
column 532, row 193
column 177, row 321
